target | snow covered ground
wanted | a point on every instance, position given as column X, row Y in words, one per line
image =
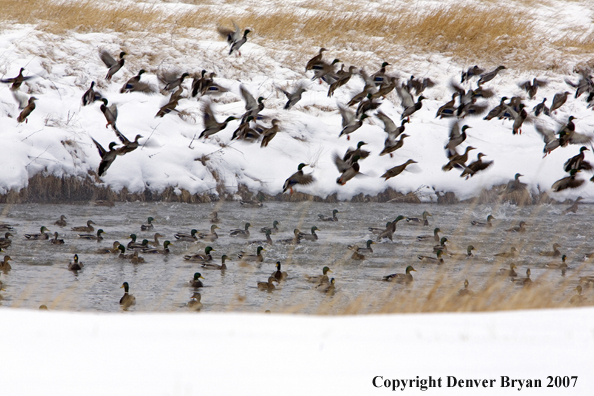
column 235, row 354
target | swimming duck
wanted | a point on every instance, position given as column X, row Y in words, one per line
column 486, row 77
column 212, row 236
column 123, row 255
column 93, row 237
column 88, row 228
column 27, row 110
column 6, row 241
column 55, row 241
column 153, row 250
column 256, row 258
column 191, row 237
column 127, row 299
column 508, row 272
column 113, row 249
column 156, row 242
column 41, row 236
column 252, row 203
column 268, row 240
column 214, row 217
column 416, row 220
column 113, row 65
column 465, row 291
column 395, row 171
column 278, row 274
column 211, row 125
column 574, row 207
column 435, row 237
column 364, row 250
column 513, row 252
column 133, row 244
column 442, row 245
column 196, row 282
column 554, row 253
column 269, row 286
column 319, row 279
column 578, row 299
column 4, row 265
column 523, row 281
column 476, row 166
column 297, row 178
column 241, row 233
column 194, row 302
column 519, row 228
column 292, row 241
column 390, row 230
column 328, row 288
column 310, row 237
column 149, row 226
column 61, row 222
column 214, row 266
column 75, row 265
column 201, row 257
column 557, row 265
column 401, row 278
column 321, row 217
column 136, row 259
column 272, row 230
column 466, row 255
column 438, row 259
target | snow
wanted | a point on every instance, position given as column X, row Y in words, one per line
column 270, row 354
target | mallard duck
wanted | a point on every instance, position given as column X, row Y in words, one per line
column 212, row 236
column 297, row 178
column 438, row 259
column 27, row 110
column 513, row 252
column 509, row 272
column 519, row 228
column 156, row 242
column 256, row 258
column 476, row 166
column 578, row 299
column 315, row 60
column 269, row 286
column 319, row 279
column 523, row 281
column 379, row 230
column 269, row 133
column 574, row 207
column 113, row 249
column 135, row 85
column 293, row 97
column 237, row 44
column 329, row 287
column 196, row 282
column 430, row 238
column 401, row 278
column 6, row 241
column 486, row 77
column 557, row 265
column 251, row 203
column 113, row 65
column 466, row 255
column 123, row 254
column 412, row 109
column 458, row 160
column 296, row 239
column 442, row 245
column 568, row 182
column 214, row 266
column 348, row 169
column 390, row 230
column 481, row 224
column 326, row 218
column 133, row 244
column 136, row 259
column 268, row 240
column 343, row 77
column 272, row 230
column 554, row 253
column 278, row 274
column 16, row 81
column 41, row 236
column 61, row 222
column 364, row 250
column 127, row 145
column 241, row 233
column 194, row 302
column 310, row 237
column 91, row 95
column 6, row 227
column 93, row 237
column 325, row 72
column 465, row 291
column 127, row 299
column 4, row 265
column 416, row 220
column 578, row 162
column 56, row 241
column 191, row 237
column 214, row 217
column 558, row 100
column 149, row 226
column 396, row 170
column 107, row 157
column 75, row 265
column 165, row 249
column 110, row 113
column 89, row 228
column 201, row 257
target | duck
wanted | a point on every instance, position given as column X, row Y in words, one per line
column 466, row 255
column 6, row 241
column 213, row 266
column 4, row 265
column 401, row 278
column 292, row 241
column 155, row 250
column 211, row 125
column 107, row 157
column 256, row 258
column 523, row 281
column 91, row 95
column 149, row 226
column 438, row 259
column 127, row 145
column 93, row 237
column 562, row 265
column 269, row 286
column 56, row 241
column 558, row 100
column 272, row 229
column 578, row 162
column 252, row 203
column 201, row 257
column 278, row 274
column 458, row 160
column 577, row 299
column 127, row 299
column 269, row 133
column 442, row 245
column 379, row 230
column 315, row 60
column 471, row 72
column 350, row 121
column 298, row 178
column 541, row 108
column 519, row 228
column 574, row 207
column 6, row 227
column 245, row 233
column 210, row 237
column 191, row 237
column 196, row 282
column 431, row 238
column 476, row 166
column 486, row 77
column 133, row 244
column 136, row 259
column 328, row 288
column 17, row 81
column 214, row 217
column 481, row 224
column 75, row 265
column 27, row 110
column 554, row 253
column 416, row 220
column 365, row 250
column 123, row 254
column 343, row 77
column 321, row 217
column 239, row 43
column 325, row 72
column 412, row 109
column 113, row 65
column 110, row 113
column 513, row 252
column 88, row 228
column 348, row 169
column 395, row 171
column 465, row 291
column 135, row 85
column 156, row 242
column 509, row 272
column 310, row 237
column 457, row 136
column 391, row 145
column 194, row 302
column 293, row 97
column 319, row 279
column 113, row 249
column 41, row 236
column 568, row 182
column 448, row 109
column 61, row 222
column 390, row 230
column 268, row 240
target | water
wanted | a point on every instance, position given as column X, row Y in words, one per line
column 40, row 272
